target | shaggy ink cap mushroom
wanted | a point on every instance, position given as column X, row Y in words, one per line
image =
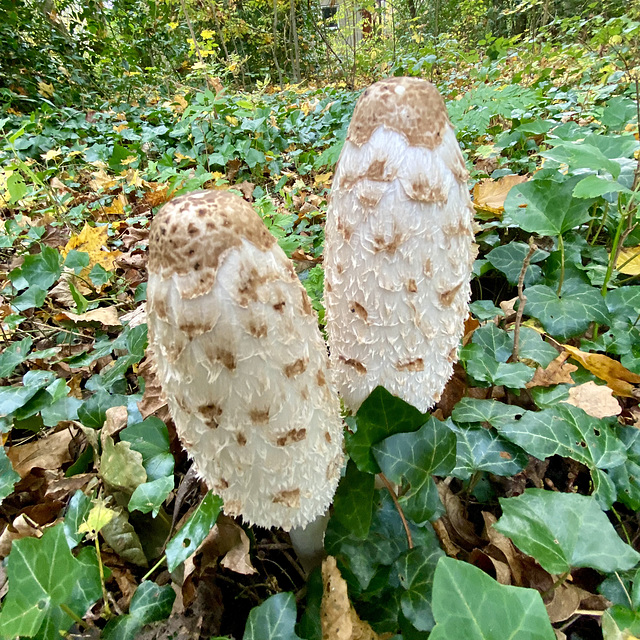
column 241, row 361
column 399, row 247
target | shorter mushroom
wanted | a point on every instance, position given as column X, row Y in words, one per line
column 242, row 362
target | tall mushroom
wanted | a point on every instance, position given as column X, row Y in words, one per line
column 399, row 247
column 242, row 361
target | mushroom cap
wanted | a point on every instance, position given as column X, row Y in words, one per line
column 241, row 361
column 398, row 247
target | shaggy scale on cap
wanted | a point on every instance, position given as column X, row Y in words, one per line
column 242, row 361
column 398, row 247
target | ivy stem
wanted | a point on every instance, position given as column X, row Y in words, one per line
column 559, row 582
column 155, row 566
column 107, row 610
column 392, row 493
column 522, row 300
column 561, row 247
column 626, row 533
column 74, row 616
column 605, row 215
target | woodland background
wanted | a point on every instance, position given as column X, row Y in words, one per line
column 518, row 497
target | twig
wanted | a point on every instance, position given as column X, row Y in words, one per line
column 405, row 524
column 521, row 297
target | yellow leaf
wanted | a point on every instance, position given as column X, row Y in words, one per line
column 120, row 127
column 98, row 517
column 133, row 178
column 116, row 208
column 45, row 89
column 206, row 34
column 102, row 180
column 92, row 240
column 629, row 261
column 51, row 154
column 232, row 120
column 489, row 195
column 322, row 178
column 129, row 159
column 617, row 377
column 180, row 156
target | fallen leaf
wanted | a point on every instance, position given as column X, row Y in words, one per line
column 629, row 261
column 490, row 565
column 115, row 421
column 153, row 399
column 21, row 527
column 136, row 317
column 227, row 539
column 246, row 189
column 558, row 372
column 50, row 452
column 102, row 180
column 618, row 377
column 565, row 600
column 93, row 240
column 595, row 399
column 107, row 316
column 338, row 617
column 489, row 195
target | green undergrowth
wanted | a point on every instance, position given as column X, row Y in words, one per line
column 511, row 494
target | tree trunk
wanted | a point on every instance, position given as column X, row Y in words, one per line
column 294, row 39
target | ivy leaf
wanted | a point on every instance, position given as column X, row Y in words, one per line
column 380, row 415
column 484, row 450
column 42, row 269
column 34, row 296
column 42, row 575
column 150, row 438
column 569, row 315
column 361, row 560
column 77, row 512
column 14, row 355
column 495, row 342
column 546, row 207
column 416, row 569
column 121, row 467
column 150, row 496
column 593, row 187
column 15, row 397
column 196, row 529
column 509, row 259
column 564, row 530
column 150, row 603
column 353, row 502
column 8, row 476
column 469, row 604
column 474, row 411
column 566, row 431
column 412, row 458
column 483, row 368
column 93, row 411
column 120, row 535
column 274, row 619
column 533, row 347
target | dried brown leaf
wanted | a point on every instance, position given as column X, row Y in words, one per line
column 106, row 316
column 50, row 452
column 558, row 372
column 595, row 399
column 337, row 615
column 618, row 377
